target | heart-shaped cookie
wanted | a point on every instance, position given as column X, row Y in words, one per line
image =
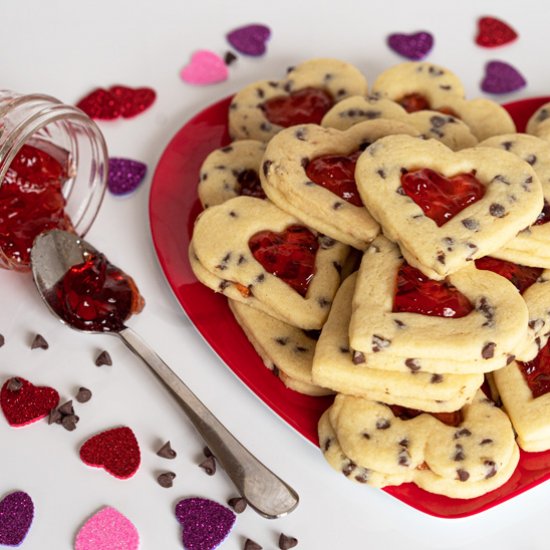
column 115, row 450
column 494, row 32
column 16, row 515
column 205, row 523
column 494, row 327
column 205, row 67
column 289, row 287
column 512, row 200
column 309, row 90
column 23, row 403
column 309, row 171
column 451, row 131
column 107, row 529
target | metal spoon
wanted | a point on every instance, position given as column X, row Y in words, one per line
column 52, row 255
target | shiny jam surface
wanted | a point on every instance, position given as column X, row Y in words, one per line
column 337, row 174
column 308, row 105
column 414, row 102
column 95, row 295
column 544, row 216
column 416, row 293
column 31, row 201
column 441, row 198
column 537, row 372
column 289, row 255
column 521, row 276
column 249, row 184
column 454, row 418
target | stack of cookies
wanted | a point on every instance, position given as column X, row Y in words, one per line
column 390, row 246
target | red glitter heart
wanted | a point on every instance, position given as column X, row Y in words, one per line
column 23, row 403
column 493, row 32
column 116, row 451
column 117, row 101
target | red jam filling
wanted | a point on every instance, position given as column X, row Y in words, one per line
column 289, row 255
column 95, row 295
column 249, row 184
column 544, row 216
column 454, row 418
column 416, row 293
column 417, row 102
column 308, row 105
column 441, row 198
column 521, row 276
column 537, row 372
column 31, row 201
column 337, row 174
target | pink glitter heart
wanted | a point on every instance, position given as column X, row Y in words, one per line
column 205, row 523
column 501, row 78
column 125, row 175
column 205, row 67
column 106, row 530
column 412, row 46
column 250, row 39
column 16, row 515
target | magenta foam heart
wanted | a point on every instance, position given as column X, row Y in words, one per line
column 250, row 39
column 205, row 67
column 501, row 78
column 125, row 175
column 107, row 529
column 412, row 46
column 205, row 523
column 16, row 515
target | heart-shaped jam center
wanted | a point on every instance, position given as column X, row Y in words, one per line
column 544, row 216
column 95, row 295
column 249, row 184
column 337, row 174
column 417, row 102
column 289, row 255
column 521, row 276
column 31, row 201
column 537, row 372
column 416, row 293
column 454, row 418
column 441, row 198
column 308, row 105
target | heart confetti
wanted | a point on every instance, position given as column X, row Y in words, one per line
column 117, row 101
column 501, row 78
column 204, row 68
column 16, row 515
column 23, row 403
column 125, row 175
column 412, row 46
column 493, row 32
column 205, row 523
column 106, row 530
column 250, row 39
column 116, row 451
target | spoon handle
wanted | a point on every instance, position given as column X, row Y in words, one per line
column 264, row 491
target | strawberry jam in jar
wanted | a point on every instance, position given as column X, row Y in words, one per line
column 53, row 172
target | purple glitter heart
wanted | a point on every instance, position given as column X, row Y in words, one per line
column 412, row 46
column 501, row 78
column 16, row 515
column 205, row 523
column 250, row 40
column 125, row 175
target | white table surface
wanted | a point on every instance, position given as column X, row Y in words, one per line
column 66, row 48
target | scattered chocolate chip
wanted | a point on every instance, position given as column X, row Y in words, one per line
column 488, row 350
column 69, row 422
column 66, row 408
column 103, row 359
column 209, row 465
column 83, row 395
column 436, row 378
column 2, row 340
column 383, row 424
column 286, row 542
column 337, row 205
column 312, row 334
column 266, row 165
column 323, row 302
column 413, row 364
column 459, row 455
column 55, row 417
column 166, row 479
column 403, row 458
column 531, row 159
column 238, row 504
column 491, row 468
column 282, row 341
column 358, row 357
column 379, row 342
column 166, row 451
column 300, row 134
column 207, row 452
column 327, row 444
column 470, row 224
column 14, row 384
column 464, row 432
column 463, row 475
column 497, row 210
column 486, row 441
column 39, row 342
column 251, row 545
column 348, row 468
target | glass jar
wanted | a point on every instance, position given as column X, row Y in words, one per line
column 38, row 132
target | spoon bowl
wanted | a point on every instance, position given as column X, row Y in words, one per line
column 53, row 255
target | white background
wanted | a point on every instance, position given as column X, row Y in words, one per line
column 67, row 48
